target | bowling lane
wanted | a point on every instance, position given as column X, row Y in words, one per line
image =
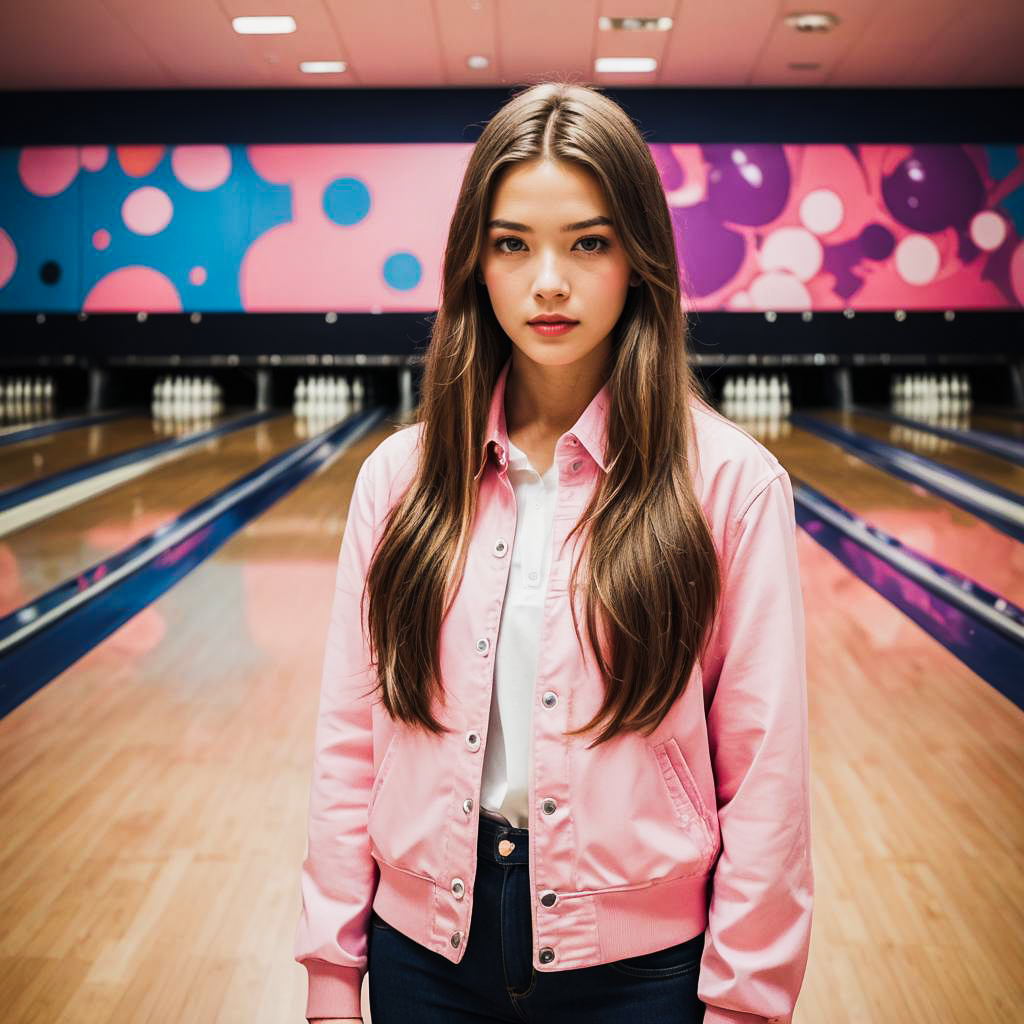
column 963, row 457
column 922, row 521
column 25, row 461
column 998, row 425
column 174, row 760
column 43, row 554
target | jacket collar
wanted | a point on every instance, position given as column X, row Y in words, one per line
column 590, row 429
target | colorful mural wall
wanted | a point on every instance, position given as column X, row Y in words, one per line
column 362, row 228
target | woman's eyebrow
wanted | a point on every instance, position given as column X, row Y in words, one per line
column 594, row 222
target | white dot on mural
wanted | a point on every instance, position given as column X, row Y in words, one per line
column 147, row 210
column 917, row 259
column 792, row 249
column 821, row 211
column 779, row 290
column 197, row 276
column 988, row 230
column 739, row 300
column 101, row 239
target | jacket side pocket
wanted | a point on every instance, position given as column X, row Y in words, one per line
column 685, row 796
column 385, row 767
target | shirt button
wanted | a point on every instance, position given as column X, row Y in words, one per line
column 550, row 699
column 549, row 898
column 483, row 645
column 456, row 938
column 533, row 575
column 547, row 954
column 458, row 888
column 548, row 806
column 500, row 547
column 473, row 740
column 467, row 805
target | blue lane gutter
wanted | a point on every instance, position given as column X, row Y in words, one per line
column 992, row 444
column 41, row 639
column 997, row 506
column 983, row 629
column 14, row 496
column 27, row 433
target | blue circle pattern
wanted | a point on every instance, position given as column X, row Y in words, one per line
column 346, row 201
column 402, row 271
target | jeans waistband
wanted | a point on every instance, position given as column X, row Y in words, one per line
column 504, row 844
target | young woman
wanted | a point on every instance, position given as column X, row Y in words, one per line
column 530, row 823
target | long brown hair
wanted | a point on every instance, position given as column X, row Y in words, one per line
column 653, row 568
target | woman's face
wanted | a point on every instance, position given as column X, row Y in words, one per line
column 532, row 265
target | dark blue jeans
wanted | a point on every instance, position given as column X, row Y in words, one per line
column 496, row 980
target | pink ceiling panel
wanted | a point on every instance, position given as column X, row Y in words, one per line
column 886, row 49
column 274, row 60
column 393, row 42
column 41, row 48
column 785, row 45
column 540, row 38
column 468, row 27
column 715, row 43
column 972, row 33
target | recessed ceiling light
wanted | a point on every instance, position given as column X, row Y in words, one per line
column 634, row 24
column 476, row 61
column 812, row 21
column 263, row 26
column 625, row 64
column 322, row 67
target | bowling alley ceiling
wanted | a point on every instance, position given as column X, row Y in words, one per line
column 192, row 44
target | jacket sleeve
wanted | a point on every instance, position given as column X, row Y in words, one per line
column 339, row 876
column 759, row 918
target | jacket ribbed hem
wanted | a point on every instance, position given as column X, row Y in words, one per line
column 593, row 928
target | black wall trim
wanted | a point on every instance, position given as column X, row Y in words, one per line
column 349, row 114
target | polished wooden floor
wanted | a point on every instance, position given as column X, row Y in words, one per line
column 153, row 796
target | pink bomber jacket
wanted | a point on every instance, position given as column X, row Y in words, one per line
column 644, row 841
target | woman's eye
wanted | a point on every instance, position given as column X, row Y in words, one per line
column 602, row 244
column 596, row 238
column 501, row 241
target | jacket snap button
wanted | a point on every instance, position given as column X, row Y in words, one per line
column 573, row 442
column 483, row 644
column 472, row 740
column 456, row 938
column 500, row 547
column 547, row 954
column 549, row 899
column 467, row 805
column 550, row 699
column 548, row 806
column 458, row 888
column 576, row 465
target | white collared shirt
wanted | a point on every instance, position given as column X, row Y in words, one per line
column 505, row 785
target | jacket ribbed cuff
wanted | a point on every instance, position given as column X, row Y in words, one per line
column 333, row 991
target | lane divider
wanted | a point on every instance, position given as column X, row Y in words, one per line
column 999, row 507
column 25, row 504
column 14, row 434
column 984, row 630
column 41, row 639
column 992, row 444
